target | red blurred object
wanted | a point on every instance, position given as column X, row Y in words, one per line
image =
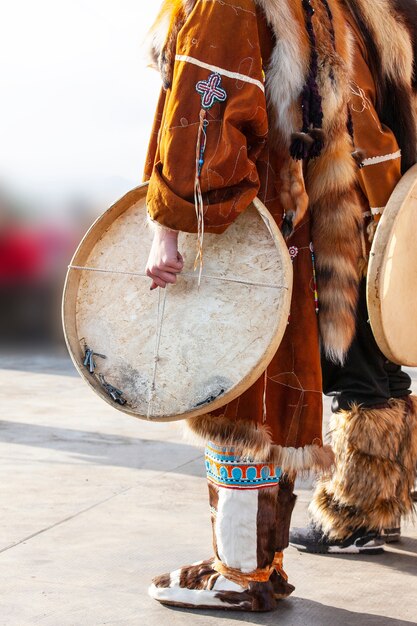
column 33, row 262
column 32, row 256
column 21, row 256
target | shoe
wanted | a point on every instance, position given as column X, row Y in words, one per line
column 246, row 572
column 313, row 540
column 392, row 535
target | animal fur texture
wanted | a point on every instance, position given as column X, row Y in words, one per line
column 251, row 440
column 376, row 455
column 389, row 28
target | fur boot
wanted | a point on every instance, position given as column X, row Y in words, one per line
column 376, row 453
column 246, row 571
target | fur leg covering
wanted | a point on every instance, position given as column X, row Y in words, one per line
column 376, row 454
column 252, row 440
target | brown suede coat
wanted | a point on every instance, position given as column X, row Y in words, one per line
column 246, row 156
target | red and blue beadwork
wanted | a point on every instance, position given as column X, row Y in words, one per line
column 226, row 470
column 211, row 91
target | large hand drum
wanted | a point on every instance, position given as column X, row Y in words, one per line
column 180, row 352
column 392, row 275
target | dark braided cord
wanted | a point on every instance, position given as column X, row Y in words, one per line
column 330, row 16
column 315, row 105
column 303, row 144
column 349, row 125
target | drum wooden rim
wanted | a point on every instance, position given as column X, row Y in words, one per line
column 378, row 270
column 71, row 287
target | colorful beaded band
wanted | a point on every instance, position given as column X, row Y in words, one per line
column 226, row 470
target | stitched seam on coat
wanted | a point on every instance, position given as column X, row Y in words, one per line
column 220, row 70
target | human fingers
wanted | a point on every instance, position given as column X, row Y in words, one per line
column 167, row 276
column 169, row 267
column 157, row 282
column 163, row 266
column 174, row 263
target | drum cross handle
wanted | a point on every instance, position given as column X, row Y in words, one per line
column 225, row 279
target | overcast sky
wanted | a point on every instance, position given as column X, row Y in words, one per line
column 76, row 98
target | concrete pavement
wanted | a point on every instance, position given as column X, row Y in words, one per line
column 94, row 503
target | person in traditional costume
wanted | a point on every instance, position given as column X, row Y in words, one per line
column 277, row 99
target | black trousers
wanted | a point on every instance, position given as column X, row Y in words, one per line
column 367, row 377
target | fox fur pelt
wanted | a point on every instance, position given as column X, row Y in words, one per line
column 389, row 28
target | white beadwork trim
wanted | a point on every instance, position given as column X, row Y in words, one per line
column 381, row 159
column 221, row 71
column 377, row 210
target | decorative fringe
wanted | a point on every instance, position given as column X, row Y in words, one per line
column 376, row 455
column 198, row 196
column 251, row 440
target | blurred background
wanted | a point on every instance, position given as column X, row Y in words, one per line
column 77, row 103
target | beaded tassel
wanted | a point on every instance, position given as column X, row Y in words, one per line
column 211, row 92
column 198, row 196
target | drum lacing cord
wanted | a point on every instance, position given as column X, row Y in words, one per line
column 225, row 279
column 158, row 332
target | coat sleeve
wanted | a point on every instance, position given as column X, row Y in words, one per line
column 381, row 165
column 219, row 39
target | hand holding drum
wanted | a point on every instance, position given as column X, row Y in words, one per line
column 164, row 262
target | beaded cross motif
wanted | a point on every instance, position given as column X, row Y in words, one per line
column 211, row 91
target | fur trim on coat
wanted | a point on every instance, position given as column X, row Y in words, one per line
column 253, row 441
